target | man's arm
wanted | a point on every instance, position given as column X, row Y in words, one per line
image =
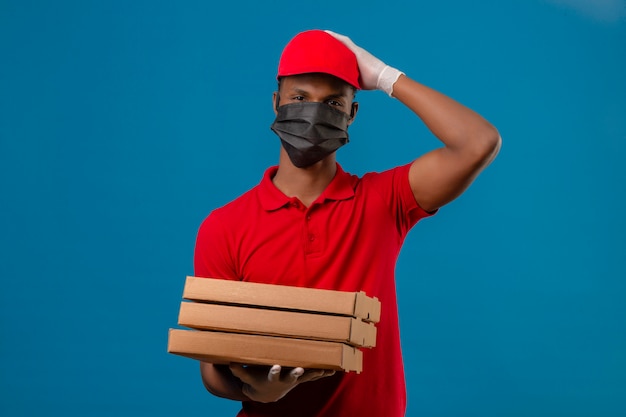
column 220, row 381
column 470, row 142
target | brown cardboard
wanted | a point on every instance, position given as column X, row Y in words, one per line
column 224, row 348
column 277, row 322
column 355, row 304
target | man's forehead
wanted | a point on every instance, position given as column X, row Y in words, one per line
column 306, row 82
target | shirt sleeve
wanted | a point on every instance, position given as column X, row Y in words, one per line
column 393, row 186
column 213, row 257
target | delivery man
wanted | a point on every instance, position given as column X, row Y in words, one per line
column 309, row 223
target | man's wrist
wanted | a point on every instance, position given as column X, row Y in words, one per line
column 387, row 78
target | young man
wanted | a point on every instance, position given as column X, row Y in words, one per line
column 309, row 223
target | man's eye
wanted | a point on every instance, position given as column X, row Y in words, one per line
column 333, row 103
column 299, row 98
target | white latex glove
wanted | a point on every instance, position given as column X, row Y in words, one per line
column 263, row 386
column 375, row 74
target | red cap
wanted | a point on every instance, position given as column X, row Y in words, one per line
column 318, row 51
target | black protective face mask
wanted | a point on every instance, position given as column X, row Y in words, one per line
column 310, row 132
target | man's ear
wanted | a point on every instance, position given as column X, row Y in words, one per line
column 353, row 111
column 275, row 99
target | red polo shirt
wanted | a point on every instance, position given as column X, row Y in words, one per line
column 349, row 240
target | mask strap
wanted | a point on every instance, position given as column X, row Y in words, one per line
column 277, row 99
column 352, row 110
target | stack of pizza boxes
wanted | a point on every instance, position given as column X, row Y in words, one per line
column 264, row 324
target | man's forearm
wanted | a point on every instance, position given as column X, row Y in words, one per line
column 219, row 381
column 457, row 126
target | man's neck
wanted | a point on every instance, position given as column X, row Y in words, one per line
column 306, row 184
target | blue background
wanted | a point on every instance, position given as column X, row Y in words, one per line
column 123, row 123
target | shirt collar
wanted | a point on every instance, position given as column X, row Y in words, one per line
column 340, row 188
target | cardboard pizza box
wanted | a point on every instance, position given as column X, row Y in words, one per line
column 221, row 291
column 283, row 323
column 225, row 348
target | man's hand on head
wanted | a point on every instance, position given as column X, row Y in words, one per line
column 375, row 74
column 268, row 385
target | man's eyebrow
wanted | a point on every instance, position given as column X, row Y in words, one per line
column 337, row 95
column 300, row 91
column 297, row 90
